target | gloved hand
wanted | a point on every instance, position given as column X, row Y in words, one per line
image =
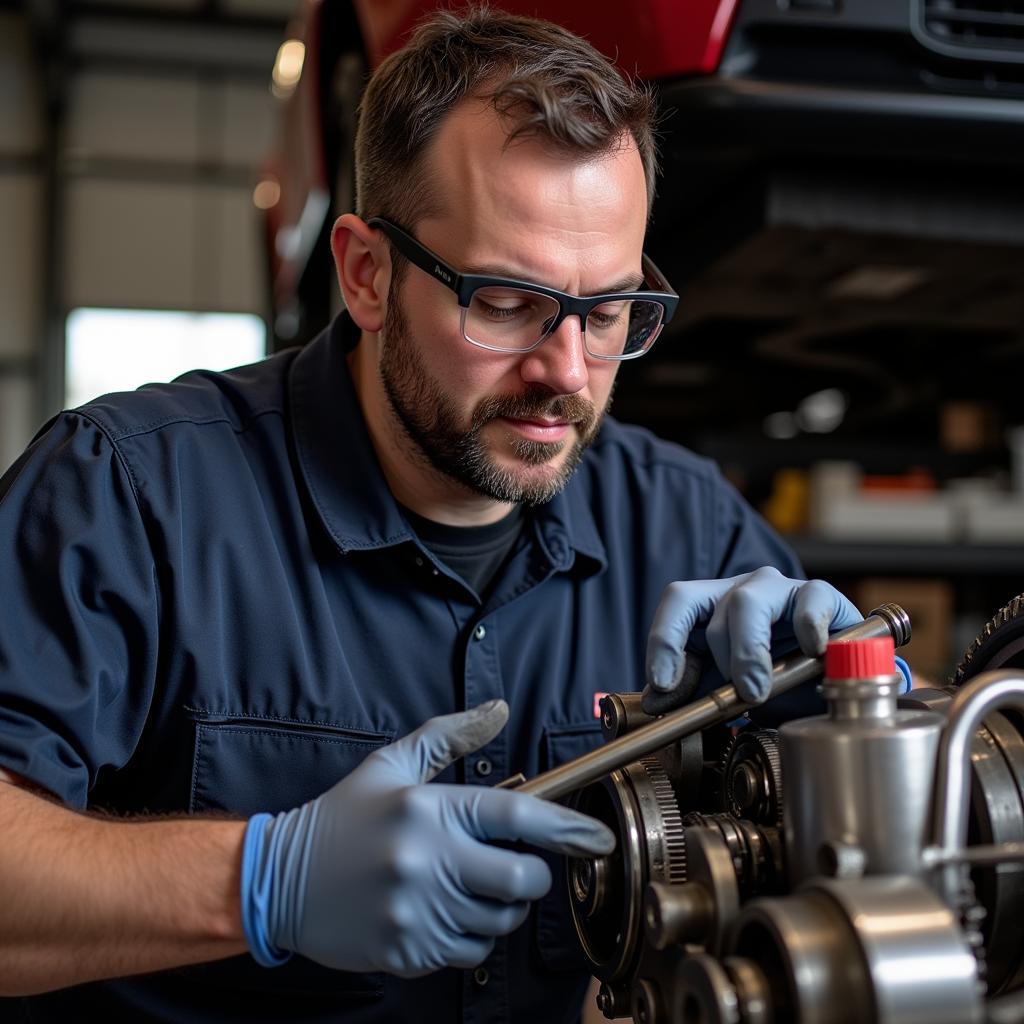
column 737, row 617
column 384, row 873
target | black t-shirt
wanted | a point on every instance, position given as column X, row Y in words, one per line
column 476, row 553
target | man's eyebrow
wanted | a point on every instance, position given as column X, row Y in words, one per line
column 631, row 283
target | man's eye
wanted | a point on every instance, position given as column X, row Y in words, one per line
column 502, row 312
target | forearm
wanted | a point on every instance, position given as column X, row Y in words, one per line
column 85, row 897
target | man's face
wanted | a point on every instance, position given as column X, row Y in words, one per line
column 510, row 426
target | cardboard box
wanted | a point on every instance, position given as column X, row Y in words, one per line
column 929, row 603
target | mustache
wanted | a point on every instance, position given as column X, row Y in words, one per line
column 536, row 403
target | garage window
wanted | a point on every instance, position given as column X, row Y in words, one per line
column 121, row 349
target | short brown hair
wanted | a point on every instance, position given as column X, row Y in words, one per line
column 543, row 80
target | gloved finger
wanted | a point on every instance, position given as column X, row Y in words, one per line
column 467, row 950
column 740, row 631
column 498, row 874
column 682, row 607
column 439, row 742
column 659, row 702
column 505, row 814
column 818, row 610
column 489, row 918
column 451, row 951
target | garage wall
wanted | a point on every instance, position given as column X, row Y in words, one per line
column 20, row 212
column 166, row 121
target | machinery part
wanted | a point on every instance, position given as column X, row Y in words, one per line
column 752, row 777
column 730, row 991
column 997, row 816
column 683, row 762
column 1000, row 644
column 710, row 865
column 973, row 703
column 756, row 852
column 700, row 911
column 996, row 813
column 719, row 706
column 884, row 949
column 860, row 776
column 677, row 914
column 621, row 713
column 647, row 1004
column 606, row 893
column 613, row 1000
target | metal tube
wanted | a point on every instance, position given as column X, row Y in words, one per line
column 978, row 698
column 974, row 856
column 718, row 706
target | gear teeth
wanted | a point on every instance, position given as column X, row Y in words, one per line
column 972, row 914
column 767, row 756
column 672, row 830
column 1009, row 611
column 723, row 762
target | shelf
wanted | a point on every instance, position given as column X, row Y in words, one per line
column 876, row 558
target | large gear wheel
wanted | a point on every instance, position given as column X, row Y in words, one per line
column 1000, row 644
column 606, row 893
column 993, row 901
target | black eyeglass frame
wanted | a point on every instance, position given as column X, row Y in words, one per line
column 464, row 285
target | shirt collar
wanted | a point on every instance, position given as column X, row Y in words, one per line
column 344, row 478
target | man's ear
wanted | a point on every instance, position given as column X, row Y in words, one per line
column 363, row 262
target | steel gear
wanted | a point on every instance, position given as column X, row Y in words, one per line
column 972, row 918
column 674, row 869
column 752, row 777
column 756, row 851
column 1000, row 644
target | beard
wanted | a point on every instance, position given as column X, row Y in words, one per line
column 449, row 445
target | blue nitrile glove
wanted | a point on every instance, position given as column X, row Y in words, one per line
column 739, row 618
column 904, row 670
column 384, row 873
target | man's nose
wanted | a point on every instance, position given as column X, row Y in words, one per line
column 560, row 362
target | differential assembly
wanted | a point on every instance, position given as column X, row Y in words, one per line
column 863, row 865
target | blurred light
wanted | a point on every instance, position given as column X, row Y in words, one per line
column 821, row 412
column 287, row 242
column 288, row 66
column 122, row 349
column 267, row 193
column 781, row 426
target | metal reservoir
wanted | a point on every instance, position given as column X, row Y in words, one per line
column 858, row 781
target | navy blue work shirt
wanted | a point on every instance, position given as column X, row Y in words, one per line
column 211, row 602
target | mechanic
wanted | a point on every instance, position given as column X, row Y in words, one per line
column 226, row 600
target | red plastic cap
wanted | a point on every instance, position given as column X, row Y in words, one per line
column 859, row 659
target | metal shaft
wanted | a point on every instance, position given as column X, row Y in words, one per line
column 718, row 706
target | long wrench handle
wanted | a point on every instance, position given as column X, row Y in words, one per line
column 718, row 706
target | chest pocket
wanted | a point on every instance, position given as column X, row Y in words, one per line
column 557, row 942
column 245, row 765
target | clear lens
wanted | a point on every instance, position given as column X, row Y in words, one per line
column 616, row 329
column 508, row 318
column 513, row 319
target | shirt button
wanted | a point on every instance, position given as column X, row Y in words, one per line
column 481, row 976
column 483, row 767
column 419, row 561
column 480, row 632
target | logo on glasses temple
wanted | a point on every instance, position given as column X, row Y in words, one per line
column 444, row 275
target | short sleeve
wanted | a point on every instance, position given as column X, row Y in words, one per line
column 78, row 611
